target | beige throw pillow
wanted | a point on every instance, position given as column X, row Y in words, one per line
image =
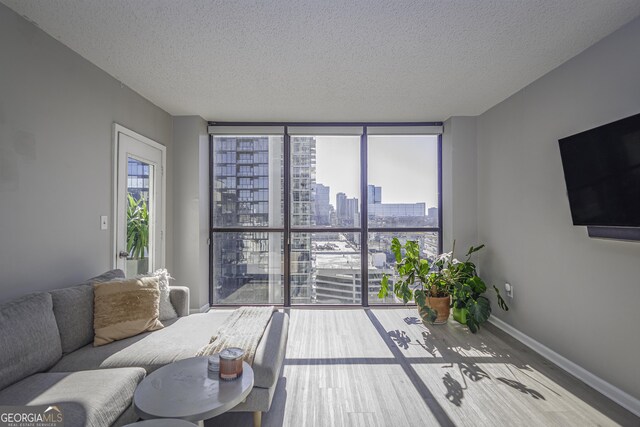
column 125, row 308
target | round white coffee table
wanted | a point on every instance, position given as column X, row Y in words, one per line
column 187, row 390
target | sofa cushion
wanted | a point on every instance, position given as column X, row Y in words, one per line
column 87, row 398
column 123, row 309
column 73, row 308
column 179, row 297
column 271, row 351
column 181, row 338
column 29, row 337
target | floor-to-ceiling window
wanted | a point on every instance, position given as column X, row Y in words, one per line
column 325, row 229
column 403, row 185
column 247, row 213
column 301, row 214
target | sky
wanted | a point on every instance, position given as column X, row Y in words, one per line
column 404, row 166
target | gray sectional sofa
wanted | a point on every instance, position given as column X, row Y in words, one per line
column 47, row 354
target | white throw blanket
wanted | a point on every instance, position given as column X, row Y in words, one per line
column 244, row 329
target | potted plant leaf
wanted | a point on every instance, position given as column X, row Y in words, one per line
column 418, row 281
column 470, row 306
column 137, row 236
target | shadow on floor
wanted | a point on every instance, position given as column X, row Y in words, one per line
column 436, row 409
column 492, row 345
column 455, row 345
column 521, row 388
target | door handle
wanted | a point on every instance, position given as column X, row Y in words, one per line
column 123, row 254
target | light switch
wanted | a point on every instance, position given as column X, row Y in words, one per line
column 104, row 225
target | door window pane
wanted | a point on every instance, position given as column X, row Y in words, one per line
column 402, row 186
column 325, row 181
column 325, row 268
column 248, row 268
column 247, row 181
column 382, row 260
column 138, row 217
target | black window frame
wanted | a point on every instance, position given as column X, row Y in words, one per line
column 287, row 229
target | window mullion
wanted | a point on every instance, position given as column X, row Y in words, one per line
column 440, row 227
column 364, row 242
column 211, row 197
column 287, row 218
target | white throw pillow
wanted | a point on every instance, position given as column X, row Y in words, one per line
column 166, row 308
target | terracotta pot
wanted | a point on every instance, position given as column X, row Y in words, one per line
column 440, row 305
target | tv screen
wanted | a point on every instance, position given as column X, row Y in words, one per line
column 602, row 173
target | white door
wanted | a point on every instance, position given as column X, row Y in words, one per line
column 139, row 205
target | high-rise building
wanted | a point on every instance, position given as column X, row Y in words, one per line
column 374, row 194
column 303, row 184
column 396, row 210
column 138, row 179
column 432, row 216
column 353, row 212
column 395, row 214
column 341, row 205
column 322, row 205
column 347, row 211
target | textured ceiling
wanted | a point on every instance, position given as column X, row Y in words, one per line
column 327, row 60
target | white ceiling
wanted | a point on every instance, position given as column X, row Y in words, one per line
column 327, row 60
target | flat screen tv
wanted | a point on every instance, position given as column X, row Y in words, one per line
column 602, row 173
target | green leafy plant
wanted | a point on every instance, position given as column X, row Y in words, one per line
column 421, row 280
column 467, row 289
column 137, row 227
column 417, row 279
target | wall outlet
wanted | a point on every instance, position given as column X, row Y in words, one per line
column 508, row 289
column 104, row 222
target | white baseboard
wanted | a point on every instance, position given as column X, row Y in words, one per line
column 622, row 398
column 202, row 309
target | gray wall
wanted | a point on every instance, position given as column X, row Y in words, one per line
column 459, row 179
column 56, row 117
column 191, row 207
column 576, row 295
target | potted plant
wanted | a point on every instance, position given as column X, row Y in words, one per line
column 137, row 236
column 418, row 281
column 446, row 283
column 470, row 306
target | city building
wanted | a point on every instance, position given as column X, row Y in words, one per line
column 341, row 206
column 396, row 210
column 347, row 210
column 322, row 204
column 374, row 194
column 432, row 213
column 138, row 179
column 303, row 184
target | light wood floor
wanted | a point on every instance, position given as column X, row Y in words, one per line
column 383, row 367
